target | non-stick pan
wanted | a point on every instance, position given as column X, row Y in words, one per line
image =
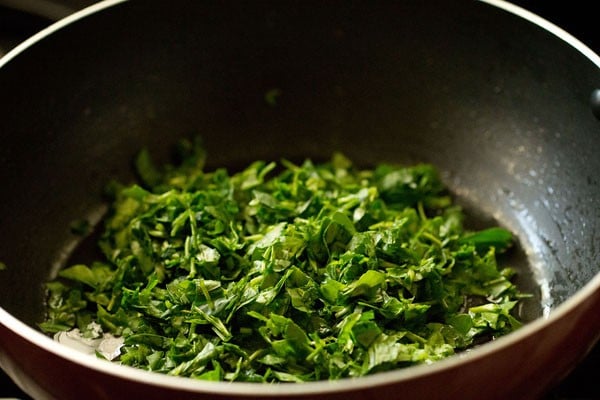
column 504, row 103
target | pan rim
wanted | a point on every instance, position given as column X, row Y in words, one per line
column 344, row 385
column 56, row 26
column 547, row 26
column 500, row 4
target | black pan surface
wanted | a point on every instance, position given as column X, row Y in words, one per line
column 575, row 385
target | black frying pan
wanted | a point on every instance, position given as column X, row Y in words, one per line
column 503, row 107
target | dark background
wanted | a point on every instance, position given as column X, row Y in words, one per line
column 577, row 17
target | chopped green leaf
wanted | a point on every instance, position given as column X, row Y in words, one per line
column 499, row 238
column 286, row 272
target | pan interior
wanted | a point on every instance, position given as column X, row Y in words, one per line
column 499, row 105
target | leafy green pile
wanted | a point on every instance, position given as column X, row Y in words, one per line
column 287, row 272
